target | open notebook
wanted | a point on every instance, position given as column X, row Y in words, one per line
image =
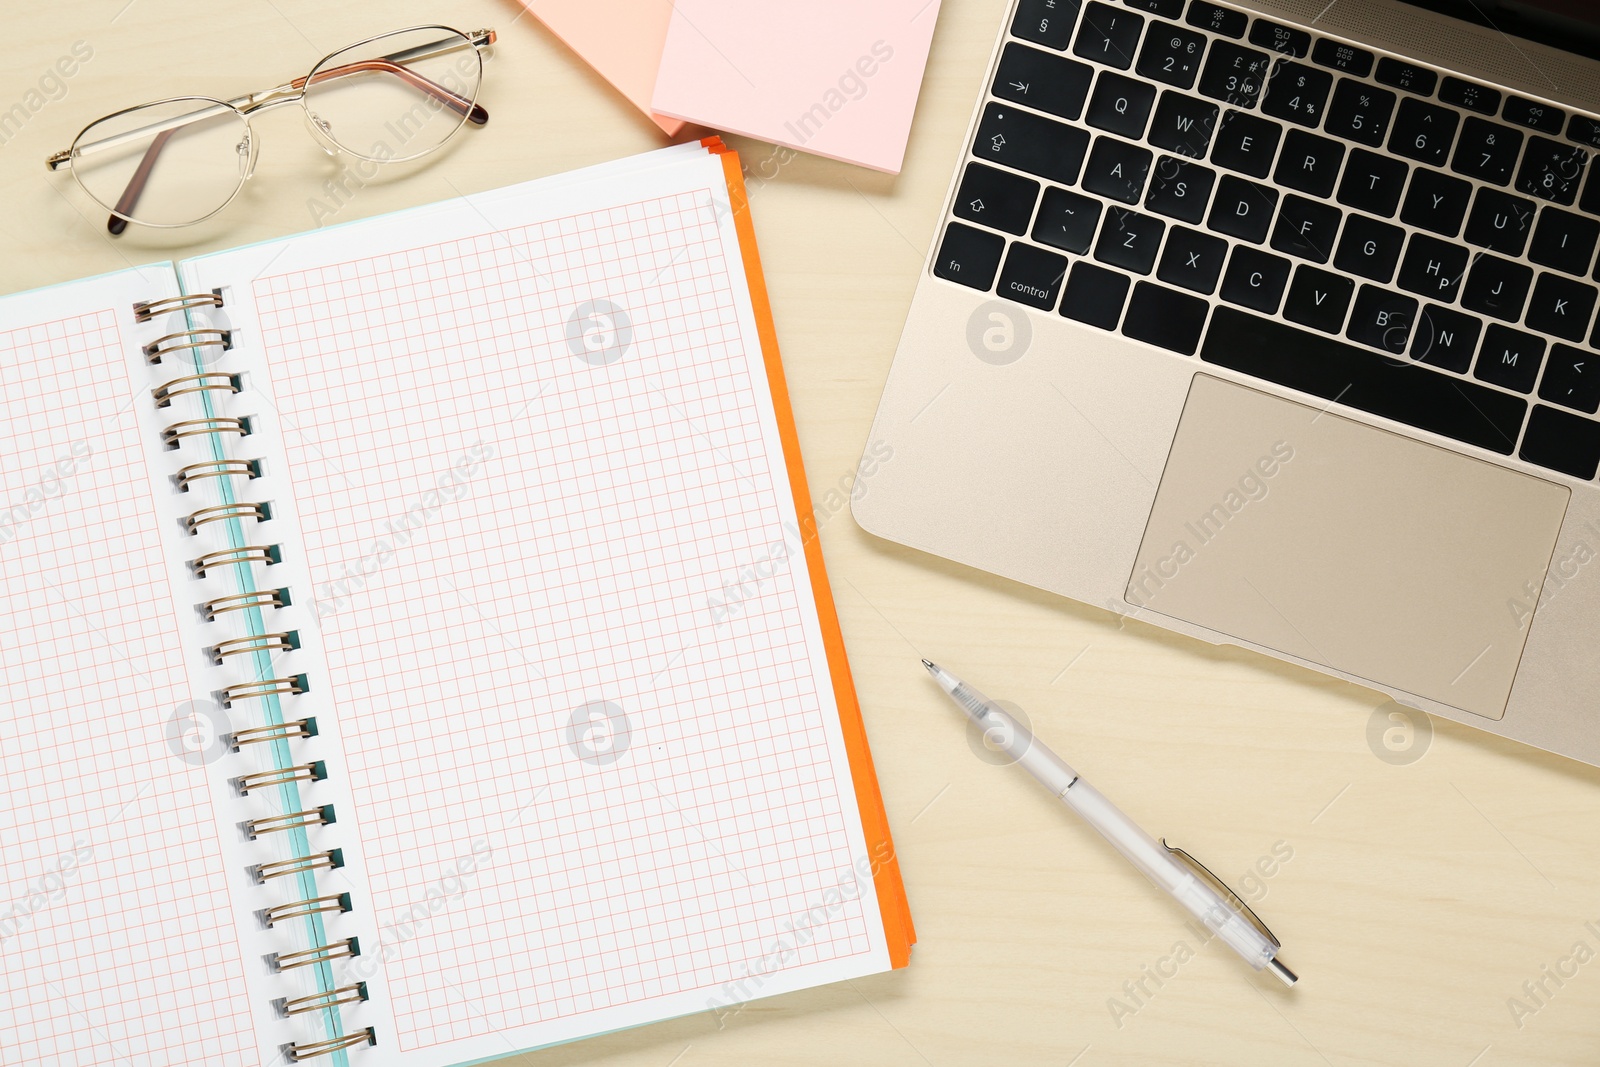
column 415, row 644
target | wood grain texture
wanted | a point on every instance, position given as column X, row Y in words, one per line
column 1417, row 899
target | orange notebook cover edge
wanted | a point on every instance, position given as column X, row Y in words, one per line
column 885, row 864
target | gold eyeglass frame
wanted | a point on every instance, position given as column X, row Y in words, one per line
column 291, row 92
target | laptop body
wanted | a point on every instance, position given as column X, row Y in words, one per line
column 1273, row 323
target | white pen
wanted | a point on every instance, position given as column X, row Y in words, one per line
column 1172, row 869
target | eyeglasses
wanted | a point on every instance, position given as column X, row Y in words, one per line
column 388, row 99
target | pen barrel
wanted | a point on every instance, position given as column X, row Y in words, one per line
column 1158, row 864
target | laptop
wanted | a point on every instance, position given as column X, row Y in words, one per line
column 1272, row 322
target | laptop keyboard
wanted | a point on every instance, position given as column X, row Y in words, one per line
column 1358, row 227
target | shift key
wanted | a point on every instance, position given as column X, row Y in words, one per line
column 1027, row 142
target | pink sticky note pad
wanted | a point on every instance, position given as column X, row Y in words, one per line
column 620, row 39
column 835, row 77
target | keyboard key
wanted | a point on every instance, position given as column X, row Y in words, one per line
column 1281, row 39
column 1433, row 268
column 1309, row 163
column 1246, row 143
column 1117, row 169
column 1216, row 18
column 1242, row 209
column 1094, row 295
column 1373, row 183
column 1584, row 130
column 1046, row 22
column 1497, row 287
column 1337, row 370
column 1297, row 93
column 969, row 256
column 1167, row 9
column 1436, row 202
column 1500, row 222
column 1027, row 142
column 1032, row 276
column 1183, row 124
column 1255, row 279
column 1561, row 307
column 1561, row 441
column 1129, row 240
column 1382, row 319
column 1445, row 338
column 1066, row 220
column 1306, row 228
column 1470, row 95
column 1564, row 241
column 1487, row 151
column 1318, row 299
column 1050, row 83
column 1423, row 131
column 1520, row 111
column 1572, row 379
column 1370, row 248
column 996, row 198
column 1551, row 170
column 1165, row 318
column 1407, row 76
column 1121, row 105
column 1108, row 35
column 1591, row 193
column 1510, row 358
column 1171, row 54
column 1233, row 74
column 1180, row 189
column 1360, row 113
column 1192, row 259
column 1345, row 57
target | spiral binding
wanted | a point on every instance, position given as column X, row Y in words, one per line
column 174, row 435
column 216, row 468
column 197, row 339
column 221, row 512
column 195, row 383
column 278, row 731
column 298, row 909
column 345, row 994
column 297, row 1052
column 257, row 648
column 145, row 310
column 266, row 555
column 270, row 598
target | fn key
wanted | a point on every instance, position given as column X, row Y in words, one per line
column 969, row 256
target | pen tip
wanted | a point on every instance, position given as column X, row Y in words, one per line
column 928, row 663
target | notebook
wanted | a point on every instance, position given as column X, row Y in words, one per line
column 620, row 39
column 837, row 78
column 416, row 648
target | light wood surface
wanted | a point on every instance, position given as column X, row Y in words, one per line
column 1417, row 898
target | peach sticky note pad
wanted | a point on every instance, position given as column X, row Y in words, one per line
column 838, row 78
column 620, row 39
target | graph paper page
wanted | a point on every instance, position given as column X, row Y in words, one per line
column 118, row 940
column 581, row 693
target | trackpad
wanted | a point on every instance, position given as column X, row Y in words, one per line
column 1293, row 528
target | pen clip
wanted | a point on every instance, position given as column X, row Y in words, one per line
column 1220, row 886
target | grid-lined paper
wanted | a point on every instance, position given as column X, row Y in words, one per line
column 506, row 526
column 117, row 943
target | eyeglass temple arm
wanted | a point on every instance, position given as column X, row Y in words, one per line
column 475, row 113
column 130, row 196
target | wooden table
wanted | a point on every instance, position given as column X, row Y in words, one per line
column 1416, row 894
